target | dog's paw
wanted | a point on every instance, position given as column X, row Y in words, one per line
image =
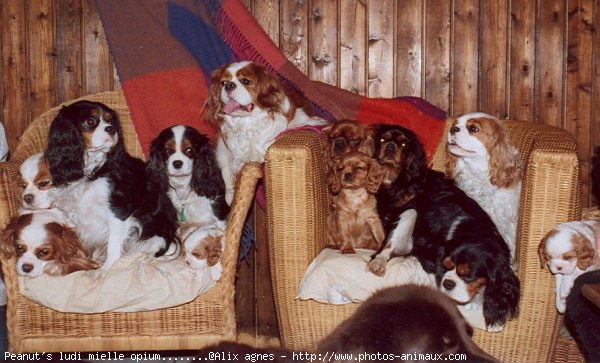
column 494, row 328
column 347, row 250
column 216, row 271
column 561, row 305
column 377, row 266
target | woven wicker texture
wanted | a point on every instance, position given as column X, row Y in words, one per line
column 297, row 204
column 208, row 319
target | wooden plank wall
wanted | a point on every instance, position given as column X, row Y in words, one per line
column 536, row 60
column 523, row 59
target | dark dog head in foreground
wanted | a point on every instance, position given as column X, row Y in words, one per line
column 405, row 320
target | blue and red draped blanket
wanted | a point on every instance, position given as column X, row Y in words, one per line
column 166, row 50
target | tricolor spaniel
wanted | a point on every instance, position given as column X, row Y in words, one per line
column 43, row 243
column 35, row 188
column 109, row 199
column 250, row 107
column 486, row 166
column 569, row 250
column 452, row 236
column 182, row 164
column 354, row 222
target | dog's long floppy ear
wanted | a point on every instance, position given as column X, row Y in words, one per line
column 367, row 146
column 207, row 179
column 334, row 178
column 542, row 252
column 212, row 109
column 270, row 92
column 66, row 146
column 375, row 176
column 505, row 163
column 586, row 254
column 7, row 240
column 156, row 167
column 69, row 253
column 502, row 292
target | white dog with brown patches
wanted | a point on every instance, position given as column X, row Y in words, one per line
column 569, row 250
column 250, row 106
column 485, row 165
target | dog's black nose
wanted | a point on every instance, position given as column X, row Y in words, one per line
column 27, row 267
column 28, row 198
column 449, row 285
column 110, row 130
column 229, row 86
column 177, row 164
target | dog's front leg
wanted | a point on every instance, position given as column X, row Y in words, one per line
column 225, row 160
column 561, row 302
column 398, row 242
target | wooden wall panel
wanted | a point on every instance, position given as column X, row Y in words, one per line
column 381, row 48
column 15, row 82
column 294, row 32
column 70, row 64
column 409, row 48
column 323, row 41
column 437, row 53
column 42, row 56
column 97, row 64
column 353, row 46
column 521, row 86
column 465, row 57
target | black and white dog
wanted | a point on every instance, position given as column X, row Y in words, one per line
column 106, row 193
column 183, row 165
column 452, row 236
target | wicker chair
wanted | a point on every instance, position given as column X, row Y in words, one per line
column 208, row 319
column 296, row 218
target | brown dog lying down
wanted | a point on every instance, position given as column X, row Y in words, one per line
column 410, row 322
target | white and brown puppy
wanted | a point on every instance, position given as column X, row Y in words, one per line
column 35, row 189
column 43, row 243
column 250, row 107
column 569, row 250
column 487, row 167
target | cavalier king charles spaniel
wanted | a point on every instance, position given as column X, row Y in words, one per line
column 35, row 189
column 452, row 236
column 250, row 106
column 354, row 222
column 43, row 243
column 486, row 166
column 106, row 193
column 569, row 250
column 182, row 163
column 348, row 135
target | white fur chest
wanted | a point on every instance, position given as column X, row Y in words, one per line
column 248, row 138
column 196, row 210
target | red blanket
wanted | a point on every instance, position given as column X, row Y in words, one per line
column 165, row 51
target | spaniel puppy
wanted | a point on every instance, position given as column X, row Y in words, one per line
column 354, row 222
column 486, row 166
column 569, row 250
column 409, row 322
column 35, row 189
column 446, row 226
column 182, row 164
column 347, row 135
column 43, row 243
column 113, row 205
column 250, row 107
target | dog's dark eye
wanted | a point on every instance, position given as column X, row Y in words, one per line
column 382, row 140
column 246, row 81
column 473, row 128
column 404, row 145
column 188, row 151
column 169, row 152
column 224, row 83
column 90, row 121
column 20, row 248
column 454, row 129
column 43, row 183
column 360, row 168
column 43, row 252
